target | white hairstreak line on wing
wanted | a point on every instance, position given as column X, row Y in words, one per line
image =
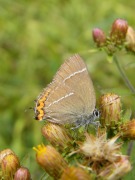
column 70, row 98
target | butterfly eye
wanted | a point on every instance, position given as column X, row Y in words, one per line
column 96, row 113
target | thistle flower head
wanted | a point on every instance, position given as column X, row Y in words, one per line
column 117, row 169
column 127, row 130
column 75, row 173
column 56, row 135
column 99, row 150
column 110, row 109
column 9, row 163
column 118, row 31
column 130, row 39
column 99, row 37
column 4, row 153
column 22, row 174
column 50, row 160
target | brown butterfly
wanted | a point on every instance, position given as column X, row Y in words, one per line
column 70, row 97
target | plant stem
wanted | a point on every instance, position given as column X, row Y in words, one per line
column 132, row 89
column 124, row 76
column 130, row 147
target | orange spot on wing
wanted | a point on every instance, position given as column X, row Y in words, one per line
column 40, row 105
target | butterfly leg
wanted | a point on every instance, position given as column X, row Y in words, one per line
column 75, row 127
column 77, row 124
column 96, row 124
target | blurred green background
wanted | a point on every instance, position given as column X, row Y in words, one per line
column 35, row 38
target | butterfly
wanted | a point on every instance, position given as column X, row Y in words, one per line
column 70, row 97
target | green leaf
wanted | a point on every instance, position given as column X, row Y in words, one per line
column 127, row 115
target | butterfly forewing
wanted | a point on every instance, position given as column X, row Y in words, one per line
column 71, row 93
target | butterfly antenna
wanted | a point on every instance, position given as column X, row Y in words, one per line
column 29, row 109
column 109, row 103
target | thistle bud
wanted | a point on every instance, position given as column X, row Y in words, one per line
column 56, row 135
column 4, row 153
column 130, row 39
column 118, row 31
column 99, row 37
column 127, row 130
column 9, row 163
column 50, row 160
column 117, row 169
column 110, row 109
column 75, row 173
column 22, row 174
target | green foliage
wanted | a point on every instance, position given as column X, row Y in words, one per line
column 35, row 37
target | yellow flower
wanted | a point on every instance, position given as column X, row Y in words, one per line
column 50, row 160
